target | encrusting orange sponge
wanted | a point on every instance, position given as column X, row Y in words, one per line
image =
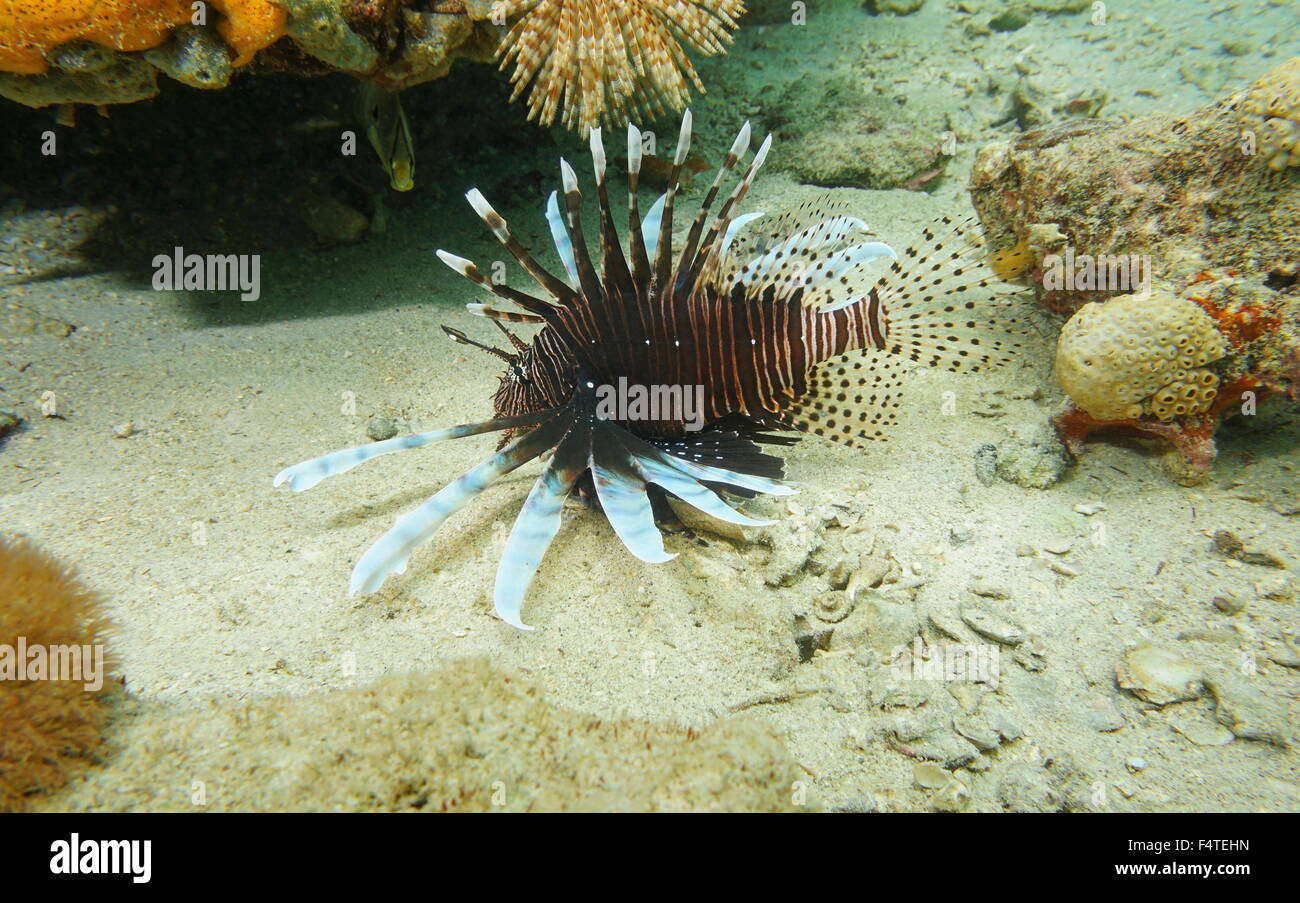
column 249, row 25
column 31, row 28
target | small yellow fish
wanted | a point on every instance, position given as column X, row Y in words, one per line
column 1013, row 262
column 381, row 115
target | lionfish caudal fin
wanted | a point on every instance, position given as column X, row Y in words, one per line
column 940, row 304
column 622, row 466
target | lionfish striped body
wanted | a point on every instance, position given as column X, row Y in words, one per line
column 777, row 326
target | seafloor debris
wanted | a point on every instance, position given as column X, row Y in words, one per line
column 1229, row 545
column 9, row 422
column 1158, row 676
column 1195, row 220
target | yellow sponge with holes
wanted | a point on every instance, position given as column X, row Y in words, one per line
column 1135, row 356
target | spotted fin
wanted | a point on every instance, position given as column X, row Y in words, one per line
column 850, row 399
column 944, row 306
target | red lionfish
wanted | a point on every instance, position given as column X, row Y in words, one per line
column 770, row 324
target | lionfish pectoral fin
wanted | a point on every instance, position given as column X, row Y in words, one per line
column 623, row 498
column 307, row 474
column 862, row 410
column 684, row 479
column 690, row 490
column 537, row 524
column 706, row 473
column 390, row 553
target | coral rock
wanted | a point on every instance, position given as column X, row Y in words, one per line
column 1270, row 109
column 249, row 25
column 1205, row 221
column 30, row 29
column 1180, row 192
column 1133, row 356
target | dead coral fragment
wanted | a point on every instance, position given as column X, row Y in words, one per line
column 609, row 61
column 46, row 726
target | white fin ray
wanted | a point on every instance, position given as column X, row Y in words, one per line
column 560, row 235
column 650, row 225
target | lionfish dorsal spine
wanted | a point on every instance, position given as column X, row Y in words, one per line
column 588, row 281
column 685, row 263
column 497, row 224
column 560, row 237
column 664, row 246
column 467, row 269
column 479, row 309
column 636, row 240
column 613, row 265
column 708, row 262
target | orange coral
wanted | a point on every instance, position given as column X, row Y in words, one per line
column 31, row 28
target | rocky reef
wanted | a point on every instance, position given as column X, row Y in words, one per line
column 78, row 51
column 110, row 51
column 1194, row 222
